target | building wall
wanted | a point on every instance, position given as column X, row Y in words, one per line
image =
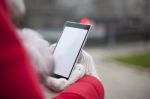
column 53, row 13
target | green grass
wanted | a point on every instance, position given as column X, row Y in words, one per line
column 139, row 60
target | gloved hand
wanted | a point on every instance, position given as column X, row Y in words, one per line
column 38, row 51
column 87, row 61
column 58, row 84
column 85, row 65
column 40, row 54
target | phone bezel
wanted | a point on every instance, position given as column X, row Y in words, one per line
column 75, row 25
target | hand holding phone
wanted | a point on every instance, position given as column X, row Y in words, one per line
column 68, row 48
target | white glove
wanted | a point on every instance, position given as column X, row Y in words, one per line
column 84, row 66
column 38, row 51
column 87, row 60
column 40, row 54
column 58, row 84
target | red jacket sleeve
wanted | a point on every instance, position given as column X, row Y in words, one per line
column 18, row 80
column 86, row 88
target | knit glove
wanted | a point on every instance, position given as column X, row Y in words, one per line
column 85, row 65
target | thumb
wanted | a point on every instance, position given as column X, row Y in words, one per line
column 56, row 84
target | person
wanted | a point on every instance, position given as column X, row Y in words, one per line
column 19, row 71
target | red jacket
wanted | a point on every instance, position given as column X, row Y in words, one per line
column 18, row 79
column 86, row 88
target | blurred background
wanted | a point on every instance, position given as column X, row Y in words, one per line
column 119, row 40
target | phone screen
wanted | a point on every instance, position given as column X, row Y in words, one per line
column 68, row 48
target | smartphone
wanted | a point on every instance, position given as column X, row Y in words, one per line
column 68, row 48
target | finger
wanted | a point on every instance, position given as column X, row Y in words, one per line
column 84, row 60
column 78, row 73
column 88, row 62
column 56, row 84
column 52, row 47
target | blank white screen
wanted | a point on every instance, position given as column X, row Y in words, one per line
column 67, row 50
